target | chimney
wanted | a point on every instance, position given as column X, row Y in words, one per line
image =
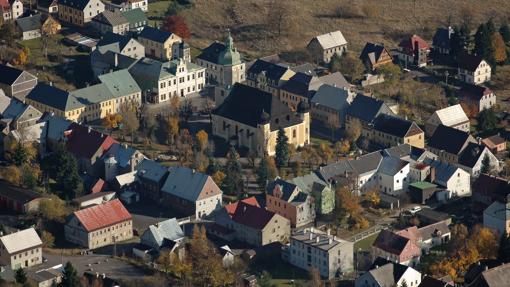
column 51, row 84
column 97, row 275
column 432, row 174
column 310, row 236
column 103, row 275
column 317, row 239
column 89, row 129
column 311, row 229
column 376, row 266
column 330, row 241
column 328, row 232
column 479, row 139
column 115, row 60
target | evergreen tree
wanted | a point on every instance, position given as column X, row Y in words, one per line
column 482, row 42
column 213, row 166
column 487, row 121
column 233, row 182
column 70, row 277
column 335, row 64
column 20, row 276
column 486, row 164
column 20, row 155
column 504, row 248
column 504, row 30
column 282, row 148
column 63, row 168
column 262, row 173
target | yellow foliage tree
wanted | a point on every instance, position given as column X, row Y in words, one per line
column 11, row 174
column 172, row 127
column 112, row 121
column 372, row 197
column 202, row 139
column 22, row 58
column 498, row 44
column 218, row 177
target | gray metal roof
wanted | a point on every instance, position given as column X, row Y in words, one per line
column 165, row 230
column 332, row 97
column 185, row 183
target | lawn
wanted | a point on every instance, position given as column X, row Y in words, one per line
column 281, row 271
column 365, row 243
column 157, row 11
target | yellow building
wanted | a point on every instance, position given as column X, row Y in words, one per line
column 251, row 118
column 268, row 76
column 91, row 103
column 158, row 43
column 392, row 131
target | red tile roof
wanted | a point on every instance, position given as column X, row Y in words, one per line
column 98, row 186
column 84, row 142
column 103, row 215
column 409, row 44
column 249, row 215
column 231, row 208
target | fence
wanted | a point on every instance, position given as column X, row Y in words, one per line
column 364, row 234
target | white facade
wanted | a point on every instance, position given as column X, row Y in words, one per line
column 394, row 184
column 206, row 206
column 481, row 75
column 21, row 249
column 477, row 167
column 311, row 248
column 183, row 83
column 411, row 277
column 459, row 183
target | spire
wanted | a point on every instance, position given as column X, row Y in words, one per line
column 229, row 43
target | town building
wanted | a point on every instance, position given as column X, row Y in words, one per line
column 396, row 248
column 428, row 236
column 477, row 98
column 391, row 130
column 158, row 43
column 191, row 192
column 246, row 221
column 113, row 22
column 321, row 191
column 452, row 116
column 374, row 56
column 365, row 109
column 453, row 178
column 495, row 143
column 29, row 27
column 21, row 249
column 92, row 199
column 497, row 216
column 79, row 12
column 473, row 69
column 16, row 83
column 299, row 88
column 287, row 200
column 161, row 81
column 11, row 9
column 329, row 105
column 251, row 118
column 152, row 176
column 312, row 248
column 413, row 51
column 223, row 64
column 389, row 274
column 18, row 199
column 128, row 5
column 47, row 6
column 488, row 189
column 121, row 44
column 441, row 40
column 494, row 274
column 137, row 20
column 423, row 192
column 44, row 278
column 99, row 225
column 323, row 47
column 268, row 76
column 120, row 159
column 164, row 234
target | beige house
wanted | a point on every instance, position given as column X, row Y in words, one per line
column 268, row 76
column 250, row 223
column 391, row 131
column 99, row 225
column 109, row 21
column 158, row 43
column 473, row 69
column 116, row 90
column 79, row 12
column 452, row 116
column 121, row 44
column 251, row 118
column 21, row 249
column 16, row 83
column 323, row 47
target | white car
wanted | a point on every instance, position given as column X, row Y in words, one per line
column 414, row 209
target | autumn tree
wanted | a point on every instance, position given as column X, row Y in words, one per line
column 347, row 203
column 266, row 171
column 391, row 73
column 342, row 148
column 315, row 278
column 172, row 125
column 130, row 121
column 177, row 25
column 498, row 48
column 353, row 130
column 11, row 174
column 165, row 261
column 30, row 175
column 22, row 57
column 265, row 279
column 372, row 197
column 282, row 148
column 8, row 33
column 349, row 65
column 504, row 30
column 47, row 239
column 53, row 209
column 111, row 121
column 202, row 140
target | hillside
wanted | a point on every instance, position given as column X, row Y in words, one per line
column 383, row 21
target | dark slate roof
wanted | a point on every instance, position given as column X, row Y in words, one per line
column 9, row 74
column 301, row 84
column 390, row 242
column 76, row 4
column 154, row 34
column 111, row 38
column 251, row 106
column 428, row 281
column 449, row 139
column 53, row 97
column 45, row 3
column 471, row 154
column 286, row 187
column 395, row 126
column 273, row 71
column 84, row 142
column 388, row 274
column 367, row 108
column 252, row 216
column 29, row 23
column 17, row 193
column 468, row 62
column 212, row 53
column 369, row 48
column 442, row 37
column 474, row 92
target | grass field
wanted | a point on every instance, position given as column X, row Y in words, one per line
column 366, row 243
column 157, row 11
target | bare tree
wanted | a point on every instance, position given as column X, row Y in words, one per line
column 280, row 17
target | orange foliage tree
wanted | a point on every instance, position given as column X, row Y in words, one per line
column 498, row 44
column 177, row 25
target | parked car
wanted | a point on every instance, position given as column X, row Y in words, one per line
column 414, row 209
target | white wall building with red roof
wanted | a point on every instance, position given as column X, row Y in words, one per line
column 99, row 225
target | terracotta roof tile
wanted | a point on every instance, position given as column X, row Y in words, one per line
column 84, row 142
column 103, row 215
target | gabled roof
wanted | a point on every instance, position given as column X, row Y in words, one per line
column 435, row 229
column 84, row 142
column 54, row 97
column 252, row 216
column 428, row 281
column 334, row 98
column 113, row 42
column 469, row 62
column 76, row 4
column 495, row 277
column 373, row 52
column 444, row 171
column 231, row 208
column 388, row 274
column 396, row 126
column 46, row 3
column 151, row 170
column 390, row 242
column 120, row 83
column 442, row 37
column 452, row 115
column 392, row 165
column 335, row 79
column 17, row 194
column 189, row 184
column 302, row 84
column 9, row 74
column 331, row 39
column 361, row 165
column 135, row 16
column 449, row 139
column 367, row 108
column 29, row 23
column 102, row 215
column 497, row 188
column 474, row 92
column 494, row 140
column 251, row 106
column 122, row 154
column 21, row 241
column 272, row 71
column 110, row 18
column 471, row 154
column 168, row 230
column 155, row 35
column 413, row 43
column 309, row 181
column 212, row 52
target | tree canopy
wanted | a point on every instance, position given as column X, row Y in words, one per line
column 282, row 148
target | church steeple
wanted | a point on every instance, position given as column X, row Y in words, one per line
column 229, row 56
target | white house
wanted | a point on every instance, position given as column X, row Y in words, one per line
column 452, row 116
column 390, row 274
column 21, row 249
column 451, row 177
column 393, row 175
column 497, row 217
column 471, row 159
column 473, row 69
column 323, row 47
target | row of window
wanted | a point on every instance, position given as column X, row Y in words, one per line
column 32, row 252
